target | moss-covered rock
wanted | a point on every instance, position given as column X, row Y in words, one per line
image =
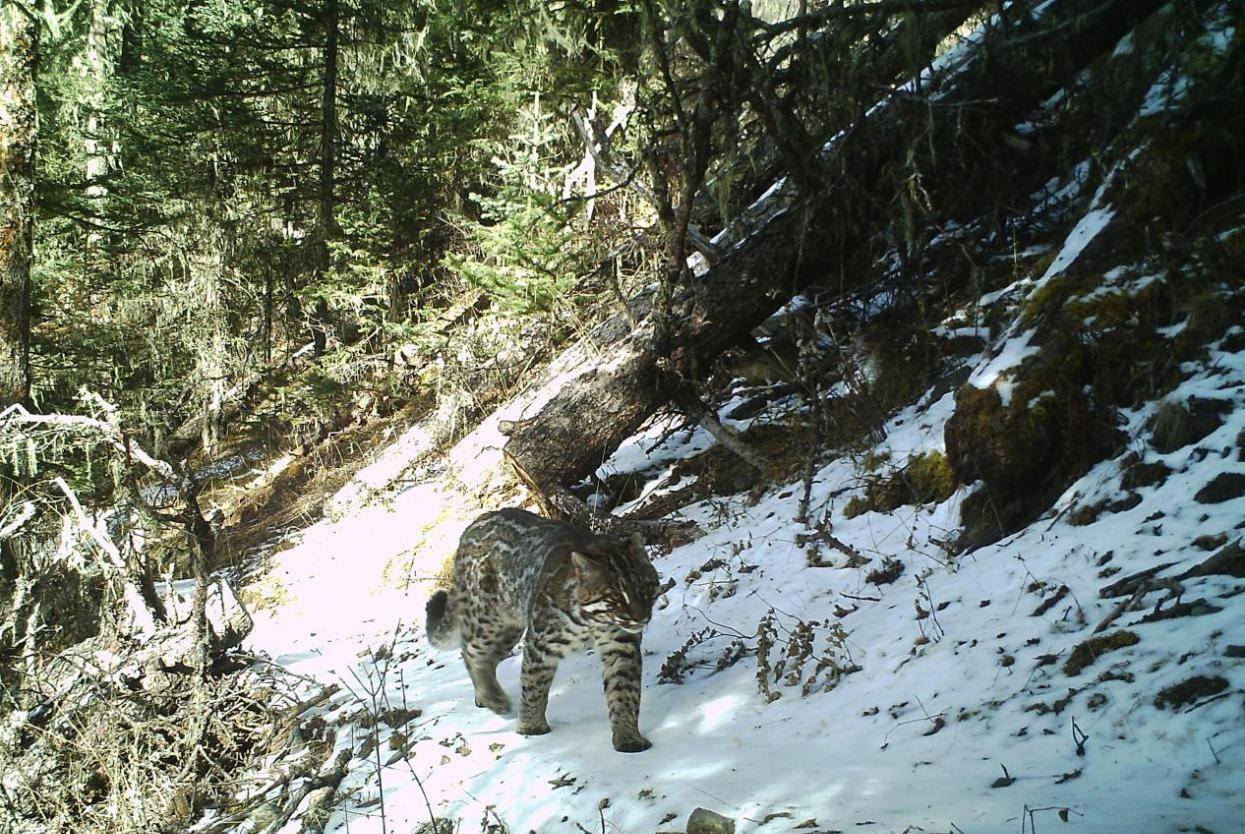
column 1108, row 336
column 1027, row 451
column 1005, row 446
column 930, row 477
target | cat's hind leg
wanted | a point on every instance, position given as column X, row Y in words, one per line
column 486, row 646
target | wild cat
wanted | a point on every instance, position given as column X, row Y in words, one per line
column 566, row 588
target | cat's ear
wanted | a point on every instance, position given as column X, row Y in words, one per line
column 584, row 562
column 637, row 544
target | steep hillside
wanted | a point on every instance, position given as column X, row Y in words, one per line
column 989, row 579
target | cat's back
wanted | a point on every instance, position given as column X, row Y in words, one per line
column 514, row 545
column 513, row 529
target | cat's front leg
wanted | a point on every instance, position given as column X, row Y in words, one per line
column 621, row 659
column 540, row 662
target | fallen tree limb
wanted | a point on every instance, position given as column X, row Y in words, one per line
column 587, row 406
column 138, row 592
column 140, row 612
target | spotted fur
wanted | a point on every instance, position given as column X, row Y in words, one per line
column 565, row 588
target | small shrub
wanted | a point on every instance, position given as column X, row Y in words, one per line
column 927, row 479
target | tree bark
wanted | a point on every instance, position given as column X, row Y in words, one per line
column 19, row 56
column 19, row 50
column 587, row 407
column 98, row 68
column 328, row 173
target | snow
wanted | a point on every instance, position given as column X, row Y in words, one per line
column 1165, row 94
column 859, row 755
column 959, row 332
column 993, row 373
column 1093, row 222
column 1053, row 195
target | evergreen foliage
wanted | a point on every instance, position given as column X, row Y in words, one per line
column 183, row 241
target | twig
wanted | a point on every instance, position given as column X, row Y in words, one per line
column 1209, row 700
column 1079, row 737
column 1029, row 812
column 1120, row 608
column 933, row 719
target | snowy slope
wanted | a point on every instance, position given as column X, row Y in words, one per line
column 940, row 706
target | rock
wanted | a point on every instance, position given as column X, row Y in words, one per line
column 704, row 821
column 1026, row 451
column 1223, row 487
column 1004, row 446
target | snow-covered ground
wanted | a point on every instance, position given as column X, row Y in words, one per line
column 945, row 703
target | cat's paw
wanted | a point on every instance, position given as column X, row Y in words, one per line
column 501, row 706
column 533, row 728
column 632, row 744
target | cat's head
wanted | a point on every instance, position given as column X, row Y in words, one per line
column 617, row 583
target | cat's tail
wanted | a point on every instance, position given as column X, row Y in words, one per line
column 441, row 623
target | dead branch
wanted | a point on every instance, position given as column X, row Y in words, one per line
column 25, row 512
column 140, row 613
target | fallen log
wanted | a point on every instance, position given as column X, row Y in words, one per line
column 602, row 391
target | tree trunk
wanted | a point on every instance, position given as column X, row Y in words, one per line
column 98, row 68
column 587, row 407
column 19, row 54
column 328, row 173
column 18, row 130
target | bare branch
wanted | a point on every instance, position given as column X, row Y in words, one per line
column 111, row 433
column 25, row 512
column 143, row 619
